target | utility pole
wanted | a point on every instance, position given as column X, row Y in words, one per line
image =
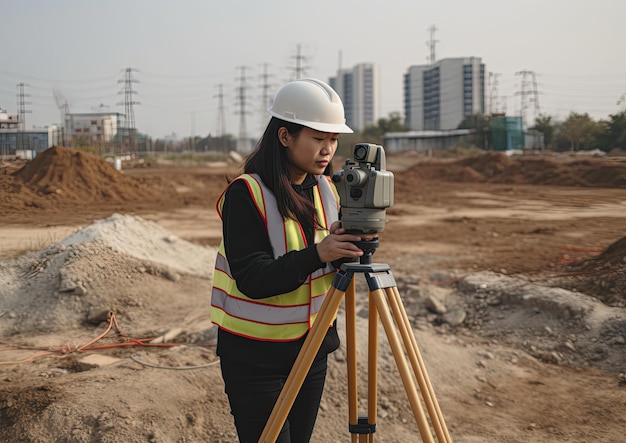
column 528, row 93
column 431, row 43
column 64, row 111
column 21, row 112
column 129, row 103
column 192, row 139
column 243, row 144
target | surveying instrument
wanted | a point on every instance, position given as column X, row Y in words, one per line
column 365, row 190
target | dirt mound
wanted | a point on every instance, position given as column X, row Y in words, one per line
column 56, row 287
column 488, row 165
column 602, row 276
column 68, row 174
column 495, row 167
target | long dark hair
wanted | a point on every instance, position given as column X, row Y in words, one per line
column 269, row 160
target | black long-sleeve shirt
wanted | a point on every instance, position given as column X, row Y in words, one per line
column 258, row 273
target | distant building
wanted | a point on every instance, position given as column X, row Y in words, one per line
column 105, row 131
column 424, row 141
column 507, row 133
column 24, row 143
column 439, row 96
column 94, row 129
column 358, row 89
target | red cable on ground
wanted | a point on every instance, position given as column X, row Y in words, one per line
column 64, row 350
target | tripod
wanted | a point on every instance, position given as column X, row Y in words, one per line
column 381, row 283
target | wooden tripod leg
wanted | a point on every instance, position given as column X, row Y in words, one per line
column 353, row 408
column 372, row 357
column 372, row 365
column 301, row 366
column 403, row 367
column 417, row 363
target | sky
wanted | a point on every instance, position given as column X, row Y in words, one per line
column 189, row 59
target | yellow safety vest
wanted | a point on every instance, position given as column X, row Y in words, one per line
column 282, row 317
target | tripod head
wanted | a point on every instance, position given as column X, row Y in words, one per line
column 368, row 247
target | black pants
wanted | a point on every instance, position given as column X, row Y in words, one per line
column 253, row 390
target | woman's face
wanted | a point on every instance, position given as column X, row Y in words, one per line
column 309, row 152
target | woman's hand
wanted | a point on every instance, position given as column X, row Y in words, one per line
column 339, row 244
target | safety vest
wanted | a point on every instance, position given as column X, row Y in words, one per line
column 282, row 317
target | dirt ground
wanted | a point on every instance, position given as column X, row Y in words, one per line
column 512, row 271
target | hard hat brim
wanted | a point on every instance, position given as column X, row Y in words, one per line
column 333, row 128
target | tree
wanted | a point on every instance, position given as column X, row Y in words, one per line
column 384, row 125
column 371, row 134
column 614, row 132
column 580, row 131
column 546, row 126
column 480, row 124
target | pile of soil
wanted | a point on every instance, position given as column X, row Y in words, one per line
column 61, row 174
column 63, row 183
column 602, row 276
column 496, row 167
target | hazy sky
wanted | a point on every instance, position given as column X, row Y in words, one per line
column 181, row 51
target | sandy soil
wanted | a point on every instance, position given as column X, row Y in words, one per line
column 512, row 273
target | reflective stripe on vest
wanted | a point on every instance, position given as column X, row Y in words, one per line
column 285, row 316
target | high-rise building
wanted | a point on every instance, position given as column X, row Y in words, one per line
column 439, row 96
column 358, row 89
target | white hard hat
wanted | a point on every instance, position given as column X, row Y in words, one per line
column 312, row 103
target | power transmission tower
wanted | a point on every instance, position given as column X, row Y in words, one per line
column 243, row 144
column 528, row 93
column 431, row 43
column 221, row 124
column 129, row 103
column 299, row 69
column 494, row 98
column 266, row 98
column 21, row 112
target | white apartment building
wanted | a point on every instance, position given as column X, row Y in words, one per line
column 358, row 89
column 93, row 128
column 439, row 96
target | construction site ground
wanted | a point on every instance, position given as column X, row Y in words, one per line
column 512, row 271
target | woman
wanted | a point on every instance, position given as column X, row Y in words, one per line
column 281, row 235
